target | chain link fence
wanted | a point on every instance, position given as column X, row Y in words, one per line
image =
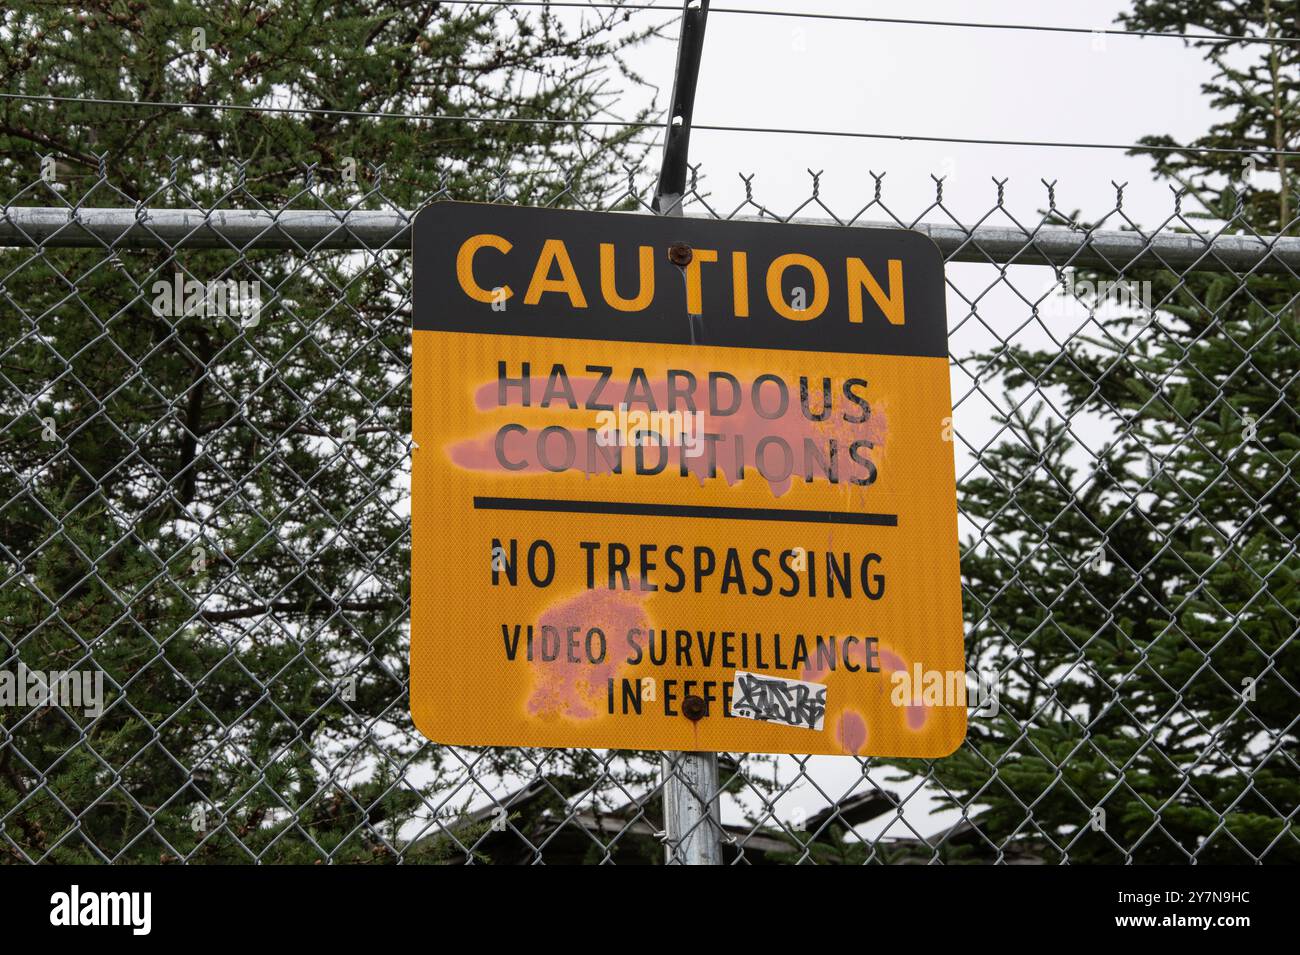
column 204, row 551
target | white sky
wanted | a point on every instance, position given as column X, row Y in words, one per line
column 938, row 81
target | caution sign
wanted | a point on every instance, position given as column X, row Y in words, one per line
column 681, row 484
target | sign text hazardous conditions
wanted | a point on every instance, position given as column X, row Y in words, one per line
column 681, row 484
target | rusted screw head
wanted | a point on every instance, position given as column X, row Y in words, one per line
column 694, row 708
column 680, row 254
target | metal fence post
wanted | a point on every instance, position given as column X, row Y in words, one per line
column 692, row 821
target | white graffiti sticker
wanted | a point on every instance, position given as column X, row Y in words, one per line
column 776, row 700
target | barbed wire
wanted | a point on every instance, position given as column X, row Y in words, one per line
column 650, row 124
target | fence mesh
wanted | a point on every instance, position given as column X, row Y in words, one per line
column 204, row 507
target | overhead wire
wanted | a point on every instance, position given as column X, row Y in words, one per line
column 647, row 124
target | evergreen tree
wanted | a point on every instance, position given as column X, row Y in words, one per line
column 1140, row 598
column 210, row 510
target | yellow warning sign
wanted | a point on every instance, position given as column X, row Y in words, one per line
column 681, row 485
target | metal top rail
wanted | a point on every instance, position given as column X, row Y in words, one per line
column 243, row 229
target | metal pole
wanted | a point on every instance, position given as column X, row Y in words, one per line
column 692, row 824
column 238, row 230
column 692, row 821
column 677, row 131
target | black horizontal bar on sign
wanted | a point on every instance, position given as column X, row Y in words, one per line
column 847, row 318
column 684, row 510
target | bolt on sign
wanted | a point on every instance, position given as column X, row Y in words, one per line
column 682, row 485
